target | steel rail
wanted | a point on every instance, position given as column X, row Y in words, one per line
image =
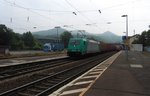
column 71, row 73
column 35, row 66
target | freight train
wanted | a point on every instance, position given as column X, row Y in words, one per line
column 83, row 46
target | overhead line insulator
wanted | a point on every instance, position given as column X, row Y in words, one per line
column 74, row 13
column 99, row 11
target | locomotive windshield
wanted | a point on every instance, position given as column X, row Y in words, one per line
column 75, row 42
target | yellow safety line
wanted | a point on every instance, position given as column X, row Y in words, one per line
column 86, row 89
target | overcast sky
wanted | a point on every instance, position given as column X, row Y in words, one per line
column 36, row 15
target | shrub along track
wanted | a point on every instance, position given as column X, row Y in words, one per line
column 53, row 78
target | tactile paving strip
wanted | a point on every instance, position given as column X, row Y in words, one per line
column 80, row 85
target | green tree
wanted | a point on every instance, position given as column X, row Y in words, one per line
column 144, row 38
column 147, row 42
column 29, row 40
column 9, row 38
column 5, row 35
column 65, row 36
column 136, row 41
column 16, row 42
column 37, row 46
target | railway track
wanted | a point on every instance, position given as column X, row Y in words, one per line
column 50, row 83
column 16, row 70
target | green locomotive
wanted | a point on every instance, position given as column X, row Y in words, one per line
column 82, row 46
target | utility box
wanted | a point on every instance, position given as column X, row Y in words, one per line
column 136, row 47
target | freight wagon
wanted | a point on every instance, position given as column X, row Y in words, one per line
column 105, row 47
column 83, row 46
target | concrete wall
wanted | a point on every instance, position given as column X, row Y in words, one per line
column 136, row 47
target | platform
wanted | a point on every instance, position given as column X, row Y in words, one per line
column 124, row 77
column 16, row 61
column 117, row 76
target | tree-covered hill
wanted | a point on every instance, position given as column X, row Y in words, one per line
column 107, row 37
column 51, row 33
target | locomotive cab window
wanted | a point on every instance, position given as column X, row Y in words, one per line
column 75, row 42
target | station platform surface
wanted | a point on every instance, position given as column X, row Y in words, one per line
column 17, row 61
column 124, row 77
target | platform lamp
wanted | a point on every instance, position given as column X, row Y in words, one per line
column 126, row 45
column 57, row 27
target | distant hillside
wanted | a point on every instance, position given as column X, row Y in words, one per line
column 107, row 37
column 51, row 33
column 77, row 33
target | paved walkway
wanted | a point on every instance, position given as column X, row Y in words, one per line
column 124, row 77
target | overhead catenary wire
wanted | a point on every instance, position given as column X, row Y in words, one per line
column 95, row 6
column 46, row 10
column 118, row 5
column 28, row 9
column 59, row 11
column 66, row 11
column 77, row 10
column 84, row 16
column 28, row 18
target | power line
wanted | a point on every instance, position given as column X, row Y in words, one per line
column 45, row 10
column 28, row 18
column 93, row 4
column 18, row 6
column 28, row 9
column 119, row 5
column 81, row 12
column 63, row 11
column 78, row 10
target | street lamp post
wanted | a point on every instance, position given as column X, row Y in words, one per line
column 57, row 41
column 126, row 45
